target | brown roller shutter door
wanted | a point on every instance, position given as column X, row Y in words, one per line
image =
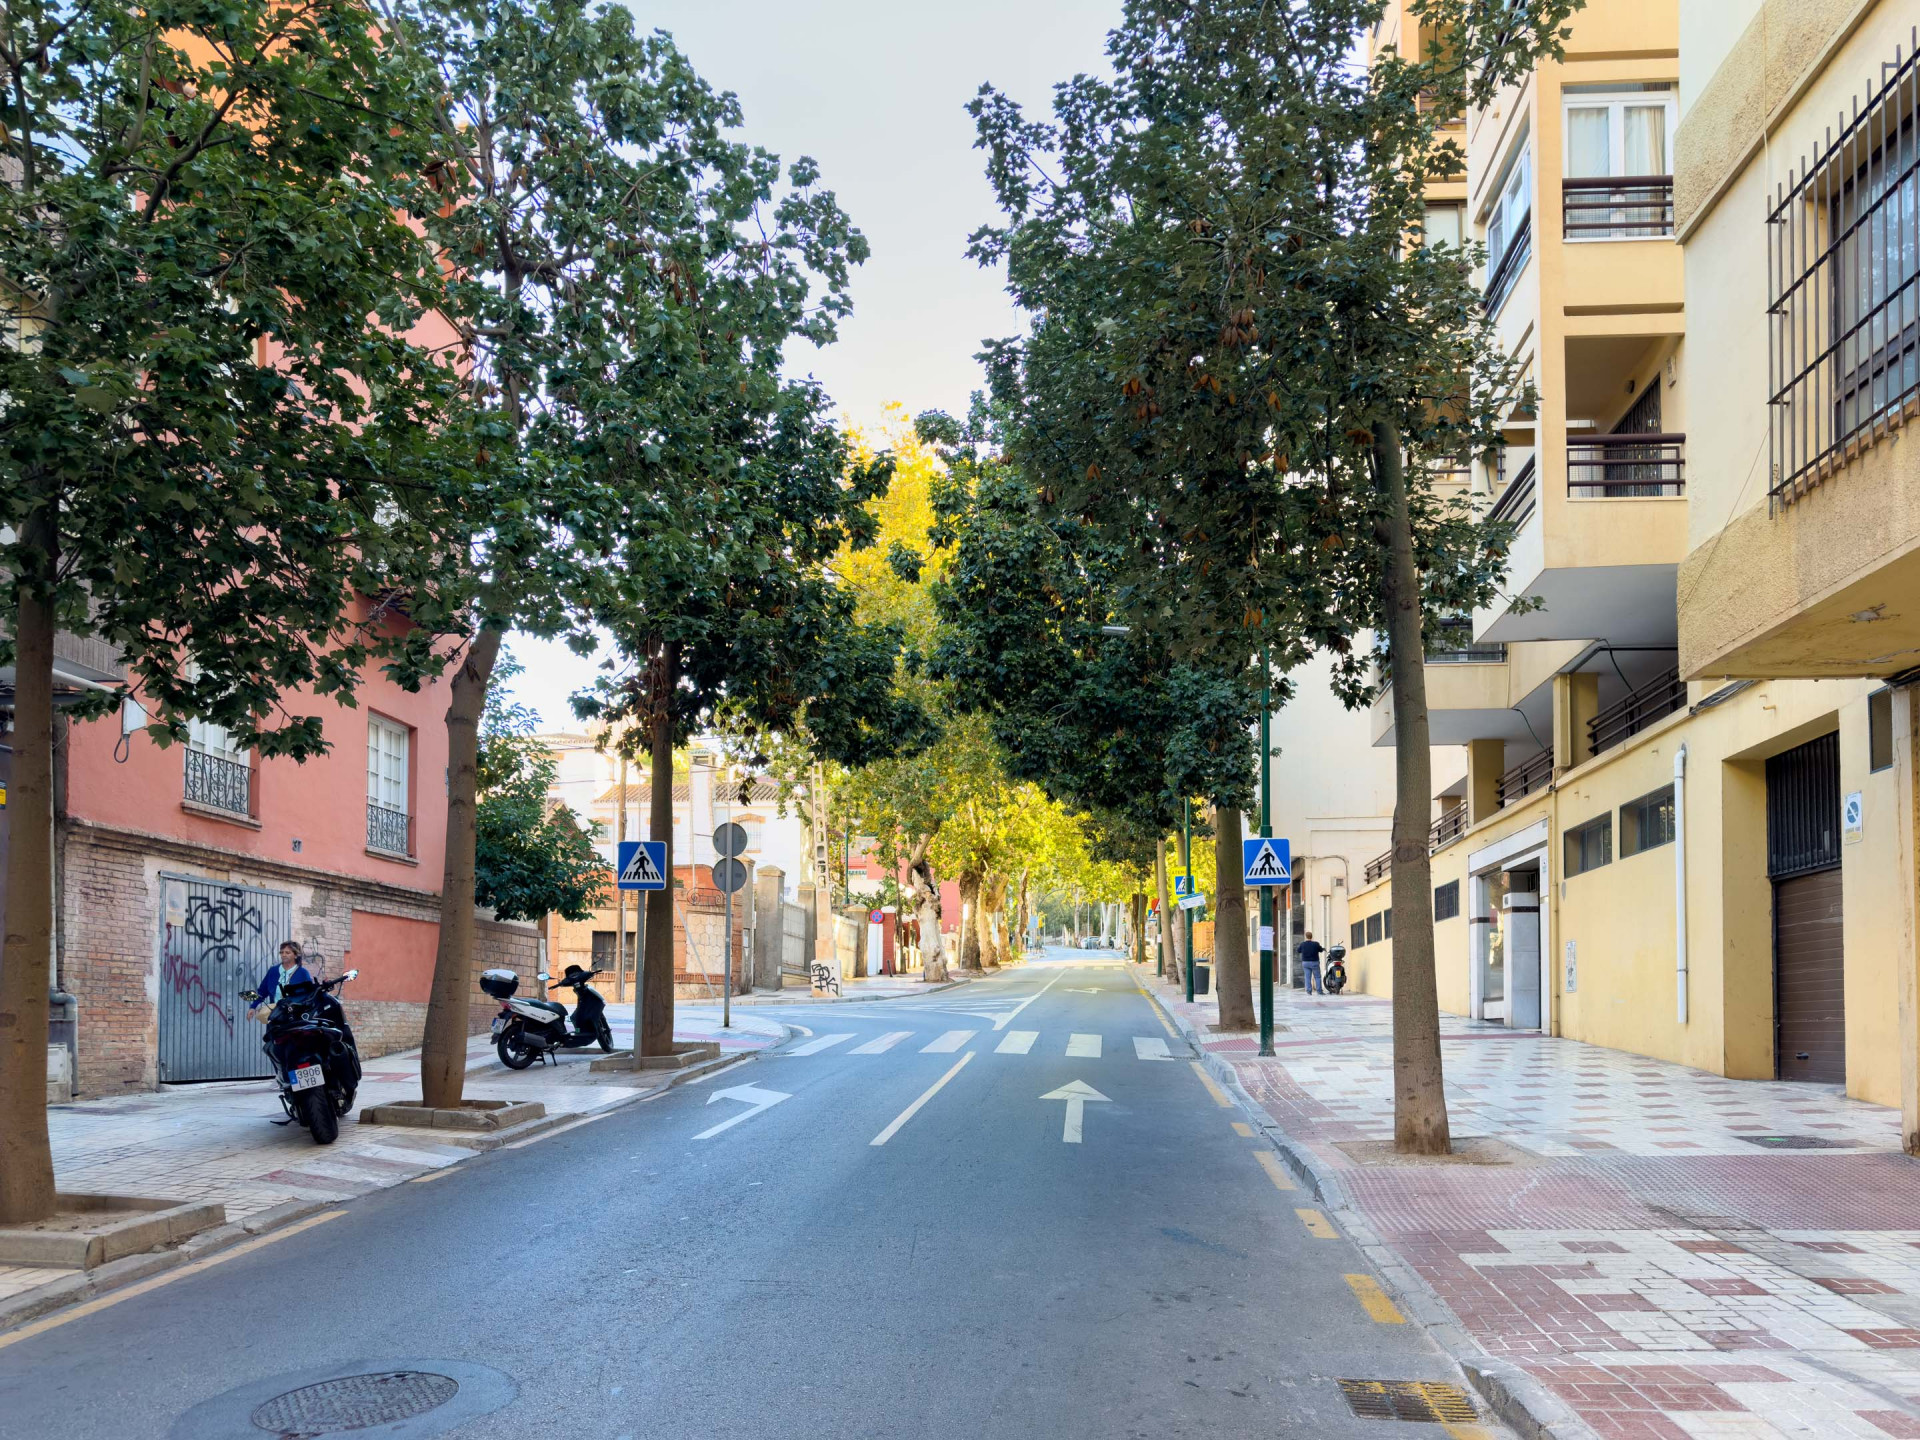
column 1809, row 979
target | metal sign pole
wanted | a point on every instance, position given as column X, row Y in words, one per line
column 1186, row 822
column 1266, row 833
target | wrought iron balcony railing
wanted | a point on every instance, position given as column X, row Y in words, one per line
column 1526, row 778
column 1617, row 207
column 390, row 831
column 1621, row 466
column 219, row 783
column 1630, row 715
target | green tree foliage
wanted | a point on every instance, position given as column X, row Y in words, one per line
column 206, row 451
column 532, row 858
column 1244, row 367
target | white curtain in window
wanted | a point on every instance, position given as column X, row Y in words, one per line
column 1590, row 142
column 1645, row 140
column 214, row 740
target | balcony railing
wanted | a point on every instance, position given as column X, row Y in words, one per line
column 390, row 831
column 219, row 783
column 1456, row 646
column 1379, row 867
column 1507, row 269
column 1526, row 778
column 1629, row 716
column 1451, row 825
column 1621, row 466
column 1617, row 207
column 1516, row 502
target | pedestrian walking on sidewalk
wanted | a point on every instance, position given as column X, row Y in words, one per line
column 290, row 971
column 1309, row 952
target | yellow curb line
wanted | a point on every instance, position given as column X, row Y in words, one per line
column 1374, row 1301
column 1317, row 1224
column 1219, row 1095
column 1276, row 1172
column 1241, row 1128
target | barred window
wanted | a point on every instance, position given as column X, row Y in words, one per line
column 1647, row 822
column 1373, row 928
column 1590, row 846
column 1446, row 900
column 1844, row 272
column 1359, row 938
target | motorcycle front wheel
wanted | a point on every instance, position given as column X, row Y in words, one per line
column 514, row 1051
column 606, row 1038
column 316, row 1113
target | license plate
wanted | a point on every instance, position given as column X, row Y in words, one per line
column 499, row 1023
column 307, row 1077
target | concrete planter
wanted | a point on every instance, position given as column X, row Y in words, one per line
column 472, row 1114
column 87, row 1231
column 682, row 1056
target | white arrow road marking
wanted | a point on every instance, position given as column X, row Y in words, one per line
column 1150, row 1047
column 814, row 1047
column 1076, row 1093
column 948, row 1043
column 753, row 1095
column 1017, row 1042
column 1083, row 1047
column 881, row 1044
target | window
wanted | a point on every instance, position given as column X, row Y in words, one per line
column 388, row 745
column 1445, row 225
column 1646, row 823
column 1510, row 230
column 1373, row 928
column 218, row 771
column 1359, row 929
column 1618, row 136
column 1590, row 846
column 1386, row 923
column 1844, row 292
column 1446, row 900
column 1880, row 730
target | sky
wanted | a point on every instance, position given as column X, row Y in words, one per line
column 875, row 91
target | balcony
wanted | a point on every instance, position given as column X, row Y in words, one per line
column 1456, row 646
column 1617, row 207
column 1517, row 502
column 1612, row 467
column 1506, row 270
column 1451, row 825
column 1378, row 868
column 1529, row 777
column 389, row 831
column 219, row 783
column 1640, row 708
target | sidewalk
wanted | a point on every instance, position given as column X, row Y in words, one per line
column 872, row 987
column 1670, row 1254
column 214, row 1142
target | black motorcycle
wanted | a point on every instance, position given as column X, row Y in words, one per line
column 1335, row 980
column 527, row 1030
column 315, row 1060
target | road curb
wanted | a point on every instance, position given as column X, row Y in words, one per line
column 774, row 1001
column 1517, row 1399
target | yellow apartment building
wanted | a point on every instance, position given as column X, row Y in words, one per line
column 1688, row 822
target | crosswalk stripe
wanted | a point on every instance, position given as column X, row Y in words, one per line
column 949, row 1042
column 1150, row 1047
column 819, row 1043
column 1017, row 1042
column 1083, row 1047
column 881, row 1044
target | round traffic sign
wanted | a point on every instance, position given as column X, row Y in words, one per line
column 730, row 839
column 729, row 875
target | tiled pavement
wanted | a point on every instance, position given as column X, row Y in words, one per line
column 1675, row 1255
column 215, row 1142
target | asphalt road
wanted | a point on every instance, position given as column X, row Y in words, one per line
column 838, row 1263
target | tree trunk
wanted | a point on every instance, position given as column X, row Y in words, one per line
column 862, row 920
column 992, row 920
column 1022, row 918
column 653, row 1035
column 26, row 1156
column 1169, row 942
column 926, row 907
column 1139, row 928
column 443, row 1050
column 1419, row 1090
column 969, row 921
column 1232, row 971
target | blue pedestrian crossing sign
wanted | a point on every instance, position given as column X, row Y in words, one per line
column 643, row 865
column 1266, row 862
column 1183, row 884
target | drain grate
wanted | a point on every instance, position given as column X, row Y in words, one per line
column 1425, row 1400
column 354, row 1402
column 1795, row 1142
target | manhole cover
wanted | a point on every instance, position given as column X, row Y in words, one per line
column 1425, row 1400
column 354, row 1402
column 1794, row 1142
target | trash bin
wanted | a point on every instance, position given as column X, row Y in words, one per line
column 1202, row 973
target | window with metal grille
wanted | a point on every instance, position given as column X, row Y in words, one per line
column 1590, row 846
column 389, row 825
column 1843, row 241
column 219, row 771
column 1373, row 928
column 1359, row 937
column 1803, row 808
column 1446, row 900
column 1647, row 822
column 1880, row 730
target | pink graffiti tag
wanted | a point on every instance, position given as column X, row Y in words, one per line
column 183, row 976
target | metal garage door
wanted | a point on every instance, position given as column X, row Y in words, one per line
column 1803, row 859
column 216, row 940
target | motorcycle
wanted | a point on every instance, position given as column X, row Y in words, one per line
column 311, row 1048
column 527, row 1030
column 1335, row 979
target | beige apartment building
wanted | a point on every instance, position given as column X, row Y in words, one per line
column 1687, row 822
